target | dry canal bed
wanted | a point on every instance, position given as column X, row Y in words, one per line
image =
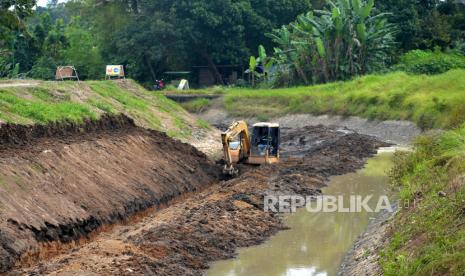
column 212, row 223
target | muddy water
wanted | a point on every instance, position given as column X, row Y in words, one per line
column 316, row 242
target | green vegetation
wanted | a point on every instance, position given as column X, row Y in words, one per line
column 425, row 24
column 58, row 101
column 429, row 236
column 148, row 37
column 203, row 124
column 214, row 90
column 321, row 40
column 19, row 109
column 428, row 62
column 345, row 40
column 197, row 106
column 431, row 101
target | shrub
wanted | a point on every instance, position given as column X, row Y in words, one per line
column 241, row 83
column 428, row 62
column 44, row 69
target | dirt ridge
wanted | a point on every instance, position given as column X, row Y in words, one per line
column 62, row 181
column 16, row 134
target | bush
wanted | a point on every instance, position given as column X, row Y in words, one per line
column 241, row 83
column 428, row 62
column 44, row 69
column 5, row 64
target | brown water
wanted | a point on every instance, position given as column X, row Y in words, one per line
column 316, row 242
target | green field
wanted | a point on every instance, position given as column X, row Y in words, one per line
column 58, row 101
column 431, row 101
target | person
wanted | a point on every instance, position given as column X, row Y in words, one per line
column 159, row 85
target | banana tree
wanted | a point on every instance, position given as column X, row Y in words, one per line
column 336, row 43
column 252, row 69
column 265, row 61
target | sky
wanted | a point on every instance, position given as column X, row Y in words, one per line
column 43, row 3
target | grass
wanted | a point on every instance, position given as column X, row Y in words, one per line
column 57, row 101
column 430, row 238
column 39, row 110
column 128, row 100
column 215, row 90
column 197, row 106
column 431, row 101
column 203, row 124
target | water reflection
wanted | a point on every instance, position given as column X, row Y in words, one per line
column 317, row 242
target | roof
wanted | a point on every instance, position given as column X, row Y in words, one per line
column 266, row 125
column 218, row 66
column 177, row 72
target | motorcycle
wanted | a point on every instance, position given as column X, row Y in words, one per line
column 159, row 85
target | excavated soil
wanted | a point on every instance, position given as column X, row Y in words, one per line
column 209, row 225
column 61, row 182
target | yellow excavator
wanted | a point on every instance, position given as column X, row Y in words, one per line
column 262, row 147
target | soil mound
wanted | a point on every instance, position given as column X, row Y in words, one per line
column 62, row 181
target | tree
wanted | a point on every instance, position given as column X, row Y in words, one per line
column 52, row 42
column 436, row 31
column 82, row 50
column 12, row 14
column 426, row 24
column 337, row 43
column 152, row 36
column 149, row 48
column 405, row 15
column 12, row 28
column 266, row 15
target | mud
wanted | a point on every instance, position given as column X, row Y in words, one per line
column 185, row 237
column 59, row 183
column 393, row 131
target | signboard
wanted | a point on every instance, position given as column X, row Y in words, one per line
column 115, row 71
column 183, row 85
column 66, row 72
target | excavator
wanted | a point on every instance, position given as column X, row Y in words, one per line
column 262, row 147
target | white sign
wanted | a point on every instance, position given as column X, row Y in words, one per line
column 115, row 71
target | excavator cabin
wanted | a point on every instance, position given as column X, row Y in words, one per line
column 262, row 147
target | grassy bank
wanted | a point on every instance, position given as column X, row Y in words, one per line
column 54, row 101
column 431, row 101
column 197, row 106
column 214, row 90
column 429, row 238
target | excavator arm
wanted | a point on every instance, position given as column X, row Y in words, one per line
column 236, row 129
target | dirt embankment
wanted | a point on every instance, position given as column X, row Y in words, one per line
column 363, row 257
column 185, row 237
column 60, row 182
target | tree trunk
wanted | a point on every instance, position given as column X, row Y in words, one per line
column 301, row 73
column 213, row 69
column 152, row 72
